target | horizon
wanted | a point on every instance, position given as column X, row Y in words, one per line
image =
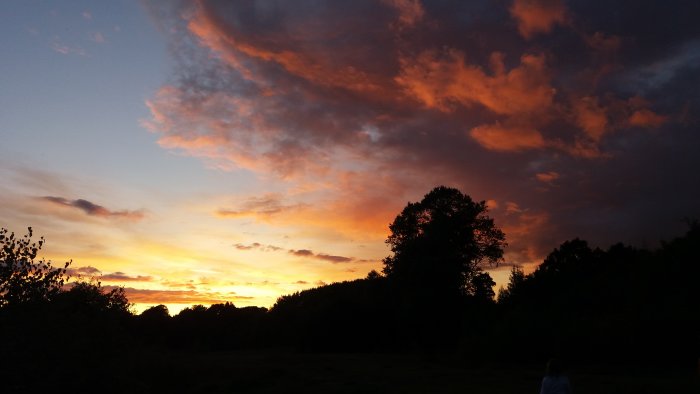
column 198, row 153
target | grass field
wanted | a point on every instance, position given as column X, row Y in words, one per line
column 279, row 372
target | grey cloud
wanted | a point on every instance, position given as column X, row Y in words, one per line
column 122, row 277
column 93, row 209
column 258, row 246
column 321, row 256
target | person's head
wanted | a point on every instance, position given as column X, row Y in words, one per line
column 554, row 368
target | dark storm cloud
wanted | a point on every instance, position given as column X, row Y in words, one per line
column 577, row 118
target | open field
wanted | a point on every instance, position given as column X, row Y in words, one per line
column 279, row 372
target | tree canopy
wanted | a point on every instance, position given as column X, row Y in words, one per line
column 23, row 279
column 442, row 243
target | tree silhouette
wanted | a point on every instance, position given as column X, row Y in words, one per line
column 91, row 298
column 515, row 282
column 156, row 313
column 441, row 243
column 22, row 278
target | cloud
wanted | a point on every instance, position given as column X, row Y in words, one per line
column 505, row 138
column 258, row 246
column 297, row 252
column 111, row 277
column 321, row 256
column 591, row 117
column 98, row 38
column 150, row 296
column 489, row 97
column 92, row 209
column 647, row 118
column 333, row 259
column 604, row 42
column 538, row 16
column 441, row 79
column 58, row 46
column 122, row 277
column 410, row 11
column 266, row 206
column 247, row 247
column 547, row 177
column 302, row 252
column 80, row 271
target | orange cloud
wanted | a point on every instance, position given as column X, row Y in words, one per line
column 590, row 117
column 646, row 118
column 149, row 296
column 237, row 50
column 581, row 147
column 547, row 177
column 357, row 205
column 441, row 80
column 522, row 228
column 492, row 204
column 603, row 42
column 538, row 16
column 292, row 97
column 507, row 138
column 512, row 207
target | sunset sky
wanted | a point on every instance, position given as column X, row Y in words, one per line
column 201, row 152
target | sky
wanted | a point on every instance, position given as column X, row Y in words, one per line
column 197, row 152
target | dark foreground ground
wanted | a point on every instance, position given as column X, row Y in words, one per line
column 281, row 372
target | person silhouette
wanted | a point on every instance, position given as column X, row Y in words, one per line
column 554, row 381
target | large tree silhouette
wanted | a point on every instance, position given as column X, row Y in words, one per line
column 441, row 244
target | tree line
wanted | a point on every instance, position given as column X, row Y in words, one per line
column 622, row 304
